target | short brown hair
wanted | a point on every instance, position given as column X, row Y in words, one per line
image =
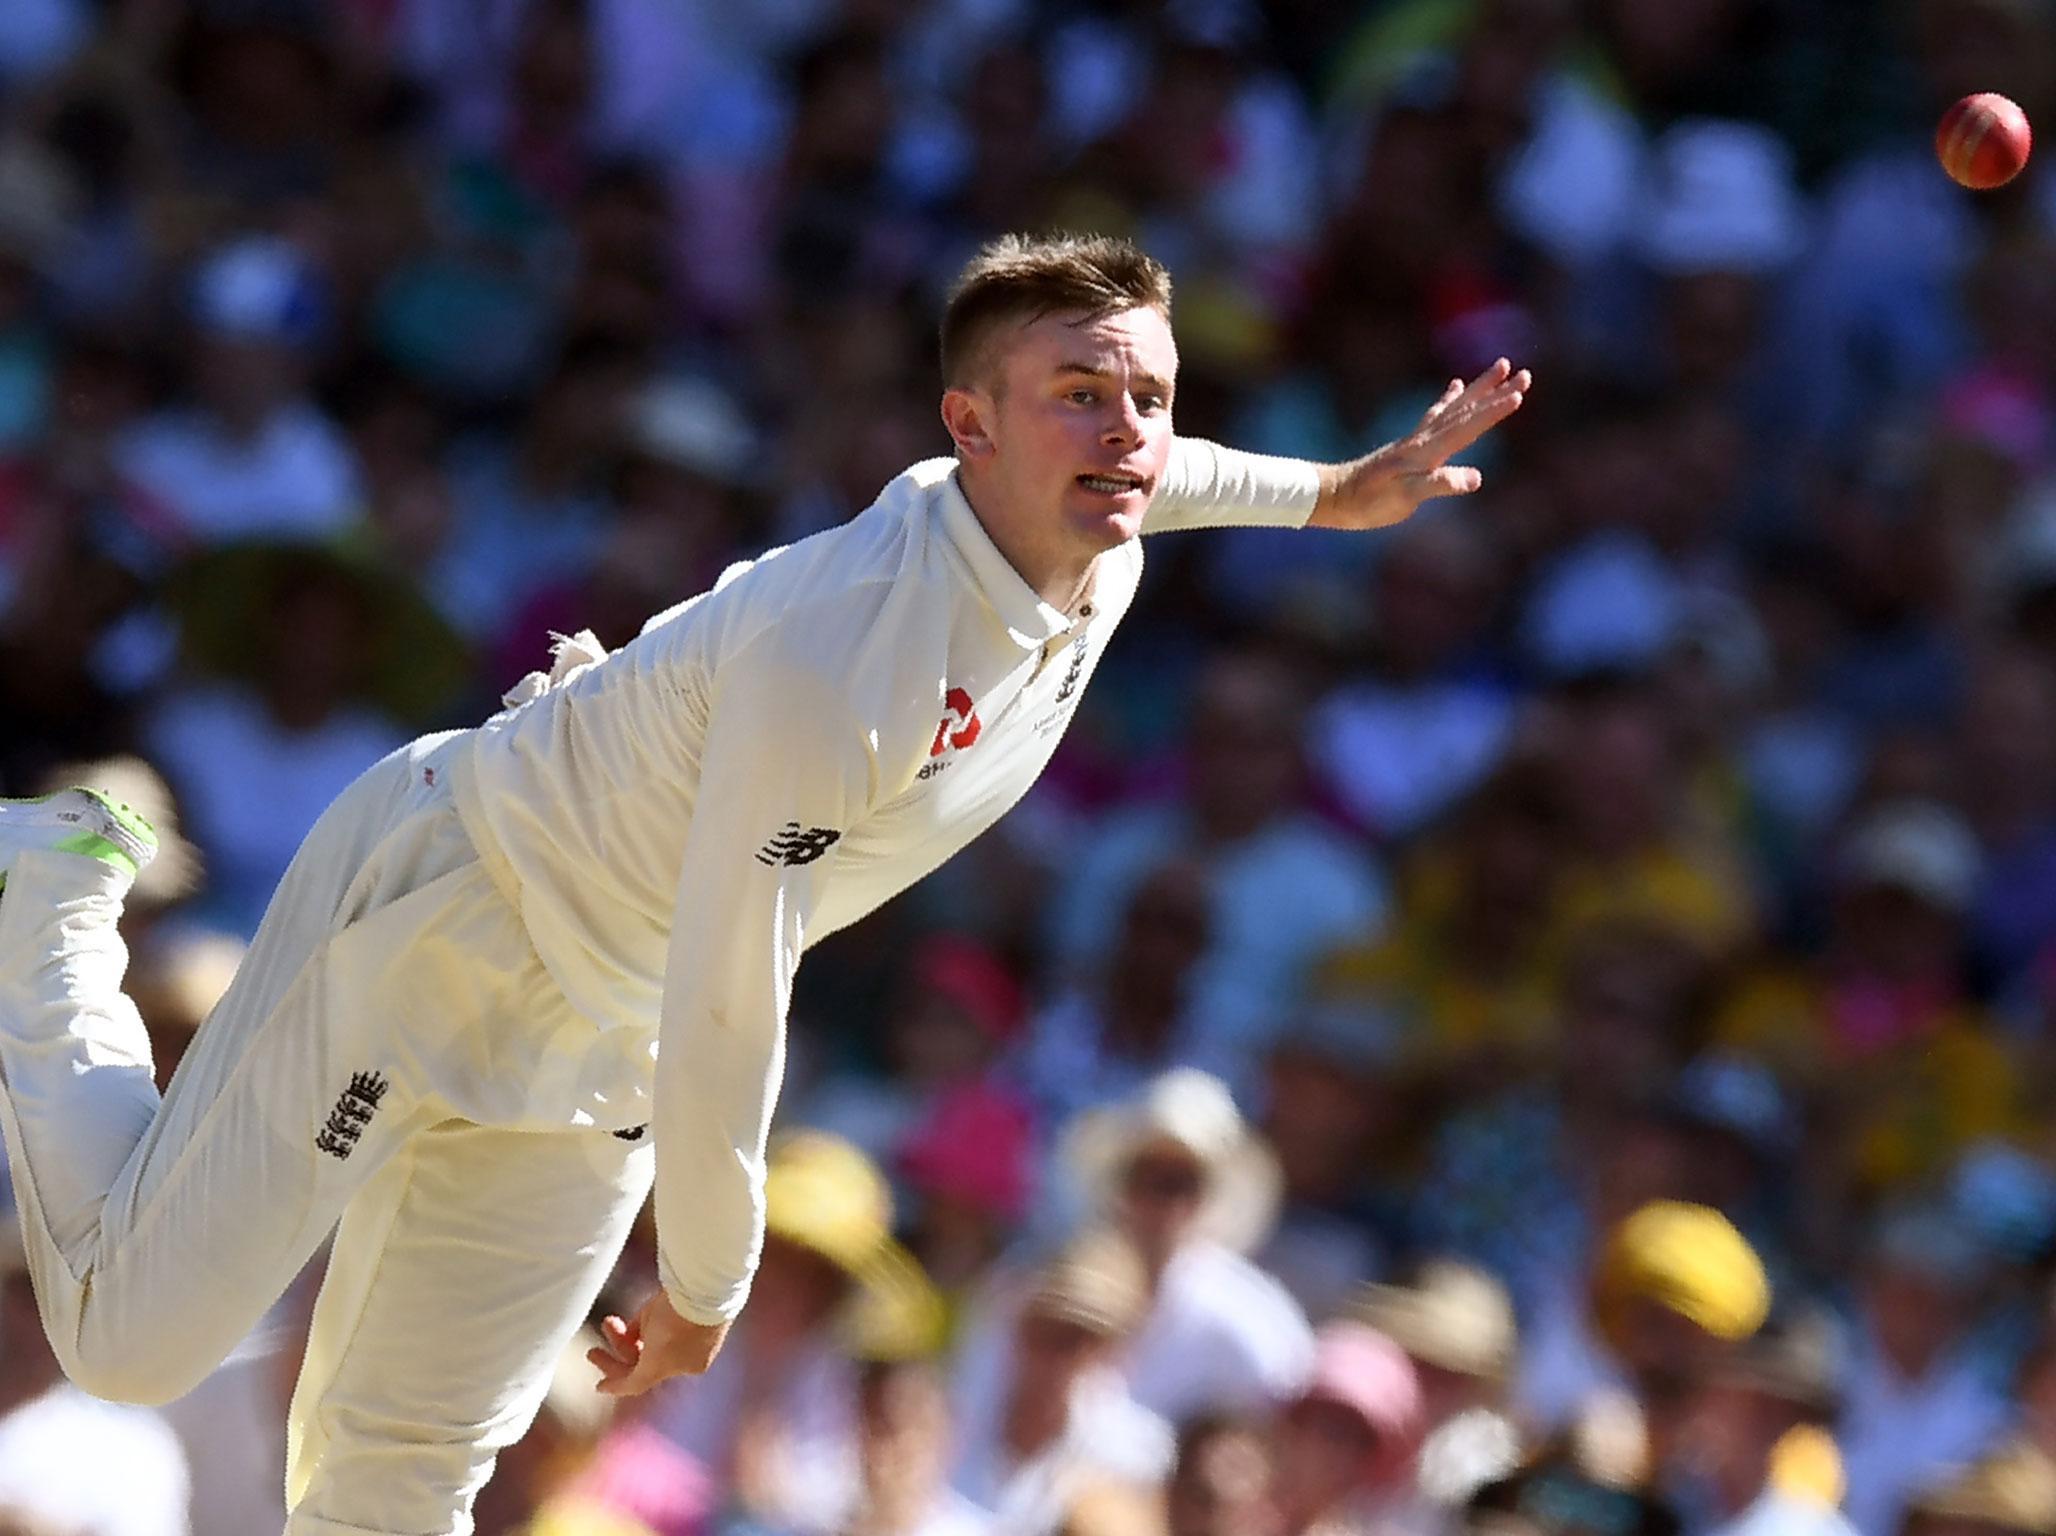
column 1021, row 278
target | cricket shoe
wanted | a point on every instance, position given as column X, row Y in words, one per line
column 78, row 820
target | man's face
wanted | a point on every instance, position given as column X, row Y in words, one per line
column 1325, row 1452
column 1051, row 1353
column 1162, row 1191
column 1079, row 419
column 1221, row 1487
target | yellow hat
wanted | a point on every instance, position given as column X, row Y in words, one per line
column 1806, row 1465
column 1691, row 1260
column 823, row 1194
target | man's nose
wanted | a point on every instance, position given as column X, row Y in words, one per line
column 1124, row 426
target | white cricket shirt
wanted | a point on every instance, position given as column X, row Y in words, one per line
column 768, row 763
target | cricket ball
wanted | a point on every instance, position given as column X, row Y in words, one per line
column 1983, row 141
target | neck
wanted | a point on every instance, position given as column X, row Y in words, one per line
column 1031, row 1423
column 1057, row 574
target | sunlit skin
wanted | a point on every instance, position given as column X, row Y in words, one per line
column 1063, row 439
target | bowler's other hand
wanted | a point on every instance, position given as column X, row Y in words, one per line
column 1387, row 486
column 657, row 1345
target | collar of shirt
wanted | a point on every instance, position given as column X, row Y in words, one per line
column 1032, row 622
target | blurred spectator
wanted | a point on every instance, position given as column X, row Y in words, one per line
column 1456, row 1324
column 1180, row 1174
column 300, row 640
column 1328, row 1116
column 841, row 216
column 251, row 454
column 399, row 432
column 82, row 548
column 263, row 111
column 1345, row 1447
column 1426, row 721
column 684, row 461
column 1672, row 1289
column 1531, row 1160
column 775, row 1419
column 1222, row 1483
column 903, row 1443
column 1740, row 1130
column 956, row 1010
column 1240, row 172
column 1093, row 1047
column 1881, row 1028
column 1756, row 1456
column 1282, row 888
column 58, row 1446
column 530, row 508
column 2007, row 747
column 35, row 234
column 1061, row 1419
column 2011, row 1492
column 1561, row 1493
column 1637, row 845
column 1466, row 962
column 1721, row 223
column 1919, row 1393
column 1799, row 758
column 970, row 1168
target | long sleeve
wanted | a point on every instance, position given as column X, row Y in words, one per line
column 1208, row 486
column 785, row 771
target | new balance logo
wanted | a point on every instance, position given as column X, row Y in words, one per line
column 353, row 1111
column 790, row 846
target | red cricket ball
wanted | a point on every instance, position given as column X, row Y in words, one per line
column 1983, row 141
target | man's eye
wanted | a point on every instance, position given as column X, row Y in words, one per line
column 1081, row 397
column 1147, row 403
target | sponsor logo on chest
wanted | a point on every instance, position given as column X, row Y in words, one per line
column 958, row 732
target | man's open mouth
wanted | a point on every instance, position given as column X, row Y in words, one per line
column 1115, row 484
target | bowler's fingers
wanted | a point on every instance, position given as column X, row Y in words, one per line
column 617, row 1354
column 1451, row 392
column 1450, row 480
column 1481, row 409
column 631, row 1381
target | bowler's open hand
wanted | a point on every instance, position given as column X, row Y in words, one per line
column 1385, row 487
column 656, row 1346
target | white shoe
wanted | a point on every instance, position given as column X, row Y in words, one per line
column 77, row 820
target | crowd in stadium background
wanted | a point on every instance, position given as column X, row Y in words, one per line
column 1529, row 948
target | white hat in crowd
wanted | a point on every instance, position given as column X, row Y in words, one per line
column 1721, row 197
column 1188, row 1108
column 1918, row 847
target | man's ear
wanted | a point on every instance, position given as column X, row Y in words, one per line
column 968, row 413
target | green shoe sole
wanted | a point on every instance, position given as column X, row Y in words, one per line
column 123, row 837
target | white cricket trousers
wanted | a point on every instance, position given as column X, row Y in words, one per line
column 377, row 1060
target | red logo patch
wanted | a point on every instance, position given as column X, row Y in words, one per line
column 960, row 727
